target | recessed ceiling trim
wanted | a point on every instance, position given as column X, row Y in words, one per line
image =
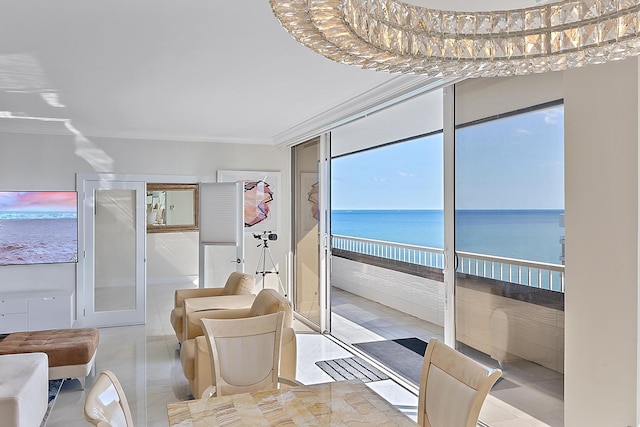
column 59, row 128
column 147, row 136
column 394, row 91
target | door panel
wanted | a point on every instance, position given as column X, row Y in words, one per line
column 221, row 231
column 115, row 253
column 115, row 247
column 311, row 250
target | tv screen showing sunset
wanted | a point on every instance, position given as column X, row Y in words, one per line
column 38, row 227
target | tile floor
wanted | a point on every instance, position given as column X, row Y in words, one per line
column 146, row 360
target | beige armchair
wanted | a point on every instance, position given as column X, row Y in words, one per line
column 237, row 284
column 194, row 353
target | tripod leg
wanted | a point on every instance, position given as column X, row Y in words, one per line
column 275, row 270
column 261, row 261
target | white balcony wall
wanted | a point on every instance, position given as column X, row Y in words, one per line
column 417, row 296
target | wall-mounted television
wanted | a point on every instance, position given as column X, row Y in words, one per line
column 38, row 227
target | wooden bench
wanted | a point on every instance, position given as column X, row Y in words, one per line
column 71, row 352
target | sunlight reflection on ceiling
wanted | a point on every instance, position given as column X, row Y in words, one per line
column 21, row 79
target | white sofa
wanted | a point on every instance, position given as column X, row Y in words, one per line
column 24, row 389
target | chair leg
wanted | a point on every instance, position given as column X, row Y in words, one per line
column 92, row 373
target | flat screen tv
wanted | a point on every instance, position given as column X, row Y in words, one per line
column 38, row 227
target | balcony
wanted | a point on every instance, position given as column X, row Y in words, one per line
column 508, row 312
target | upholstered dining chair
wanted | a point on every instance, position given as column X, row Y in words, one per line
column 245, row 354
column 236, row 284
column 453, row 387
column 106, row 404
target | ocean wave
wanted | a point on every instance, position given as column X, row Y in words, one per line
column 37, row 215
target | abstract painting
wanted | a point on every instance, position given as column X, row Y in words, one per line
column 261, row 198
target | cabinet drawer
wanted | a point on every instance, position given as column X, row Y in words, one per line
column 11, row 306
column 49, row 313
column 13, row 323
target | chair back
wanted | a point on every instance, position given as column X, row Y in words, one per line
column 239, row 283
column 271, row 301
column 245, row 353
column 106, row 404
column 453, row 387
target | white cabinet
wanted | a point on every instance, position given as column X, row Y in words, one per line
column 31, row 311
column 52, row 312
column 13, row 315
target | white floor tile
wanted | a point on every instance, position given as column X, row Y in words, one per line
column 146, row 360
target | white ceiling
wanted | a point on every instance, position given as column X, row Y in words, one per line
column 222, row 71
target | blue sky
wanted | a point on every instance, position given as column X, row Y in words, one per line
column 510, row 163
column 407, row 175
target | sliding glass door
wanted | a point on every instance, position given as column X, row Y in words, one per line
column 387, row 222
column 311, row 231
column 509, row 283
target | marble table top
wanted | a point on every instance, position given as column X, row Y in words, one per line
column 341, row 403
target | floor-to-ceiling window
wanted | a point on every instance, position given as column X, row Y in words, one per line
column 387, row 223
column 509, row 295
column 390, row 246
column 387, row 232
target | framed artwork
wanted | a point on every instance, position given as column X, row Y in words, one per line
column 261, row 198
column 309, row 203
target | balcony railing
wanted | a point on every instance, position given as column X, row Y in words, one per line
column 420, row 255
column 527, row 273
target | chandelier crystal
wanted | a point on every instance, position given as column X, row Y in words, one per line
column 397, row 37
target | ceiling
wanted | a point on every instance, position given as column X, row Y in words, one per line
column 203, row 70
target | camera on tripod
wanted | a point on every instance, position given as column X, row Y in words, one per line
column 261, row 269
column 266, row 235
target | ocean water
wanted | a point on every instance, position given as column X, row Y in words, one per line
column 39, row 241
column 37, row 215
column 532, row 235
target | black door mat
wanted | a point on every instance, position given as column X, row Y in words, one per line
column 414, row 344
column 351, row 368
column 399, row 358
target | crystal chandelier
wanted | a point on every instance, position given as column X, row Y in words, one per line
column 397, row 37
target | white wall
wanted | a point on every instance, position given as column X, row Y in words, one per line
column 601, row 222
column 172, row 257
column 44, row 162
